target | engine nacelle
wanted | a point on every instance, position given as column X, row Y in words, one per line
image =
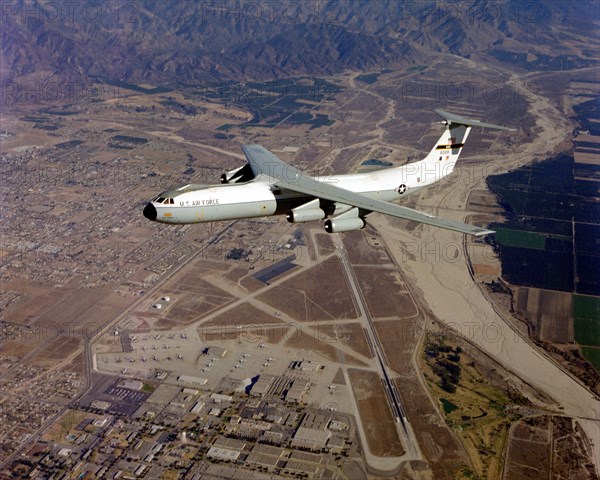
column 241, row 174
column 344, row 224
column 305, row 215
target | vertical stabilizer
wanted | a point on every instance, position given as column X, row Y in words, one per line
column 447, row 149
column 443, row 157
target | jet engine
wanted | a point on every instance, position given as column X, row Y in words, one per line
column 238, row 175
column 336, row 225
column 305, row 215
column 308, row 212
column 351, row 219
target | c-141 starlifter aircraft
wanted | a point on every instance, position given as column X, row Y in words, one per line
column 268, row 186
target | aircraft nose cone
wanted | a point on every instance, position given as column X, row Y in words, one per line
column 150, row 212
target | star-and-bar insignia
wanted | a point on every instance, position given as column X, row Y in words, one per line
column 401, row 189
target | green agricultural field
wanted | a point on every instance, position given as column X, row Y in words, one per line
column 520, row 238
column 592, row 355
column 586, row 311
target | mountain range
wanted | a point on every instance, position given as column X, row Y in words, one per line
column 173, row 42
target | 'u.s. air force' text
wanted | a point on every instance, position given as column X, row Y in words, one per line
column 199, row 203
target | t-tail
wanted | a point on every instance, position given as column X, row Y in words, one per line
column 443, row 156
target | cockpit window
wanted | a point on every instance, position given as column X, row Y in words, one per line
column 165, row 201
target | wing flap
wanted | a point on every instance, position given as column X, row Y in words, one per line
column 285, row 176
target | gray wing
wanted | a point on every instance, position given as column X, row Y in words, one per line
column 285, row 176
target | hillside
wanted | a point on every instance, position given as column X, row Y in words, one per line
column 170, row 43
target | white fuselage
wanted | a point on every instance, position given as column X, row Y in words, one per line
column 260, row 197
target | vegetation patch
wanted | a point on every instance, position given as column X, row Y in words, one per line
column 448, row 406
column 445, row 363
column 131, row 86
column 128, row 139
column 586, row 311
column 61, row 112
column 32, row 119
column 539, row 62
column 50, row 128
column 179, row 107
column 69, row 144
column 520, row 238
column 474, row 409
column 417, row 68
column 373, row 162
column 148, row 387
column 368, row 78
column 223, row 136
column 592, row 355
column 275, row 102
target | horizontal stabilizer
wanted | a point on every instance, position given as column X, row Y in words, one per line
column 458, row 120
